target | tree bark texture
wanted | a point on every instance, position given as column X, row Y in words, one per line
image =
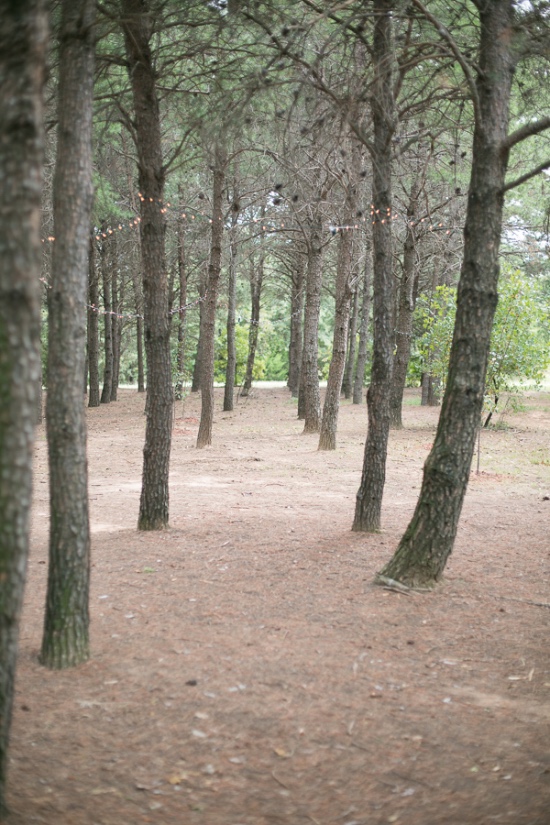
column 204, row 437
column 65, row 641
column 329, row 422
column 154, row 501
column 408, row 288
column 116, row 323
column 138, row 299
column 369, row 497
column 347, row 381
column 231, row 365
column 93, row 327
column 182, row 310
column 428, row 541
column 362, row 349
column 203, row 288
column 107, row 320
column 22, row 63
column 296, row 324
column 309, row 377
column 256, row 282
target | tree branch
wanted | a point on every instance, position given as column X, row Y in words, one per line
column 446, row 35
column 526, row 176
column 526, row 131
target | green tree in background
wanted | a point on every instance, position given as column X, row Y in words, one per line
column 519, row 340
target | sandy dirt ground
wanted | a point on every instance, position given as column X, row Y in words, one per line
column 245, row 670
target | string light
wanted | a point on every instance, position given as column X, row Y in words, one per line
column 377, row 216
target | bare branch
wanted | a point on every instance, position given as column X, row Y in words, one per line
column 530, row 129
column 447, row 36
column 527, row 176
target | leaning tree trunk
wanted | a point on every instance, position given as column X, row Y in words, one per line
column 65, row 641
column 331, row 406
column 93, row 327
column 362, row 349
column 369, row 497
column 208, row 333
column 309, row 376
column 137, row 22
column 22, row 63
column 408, row 289
column 428, row 541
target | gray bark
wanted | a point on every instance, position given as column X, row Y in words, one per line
column 22, row 64
column 65, row 641
column 369, row 497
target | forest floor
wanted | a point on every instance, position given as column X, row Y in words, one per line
column 244, row 669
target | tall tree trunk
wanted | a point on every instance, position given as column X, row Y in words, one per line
column 136, row 281
column 327, row 439
column 203, row 290
column 349, row 368
column 137, row 22
column 65, row 641
column 138, row 300
column 428, row 541
column 231, row 366
column 369, row 497
column 22, row 62
column 362, row 350
column 182, row 310
column 309, row 377
column 93, row 327
column 408, row 289
column 116, row 325
column 256, row 281
column 107, row 319
column 296, row 324
column 204, row 437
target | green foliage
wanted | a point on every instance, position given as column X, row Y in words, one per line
column 436, row 317
column 519, row 341
column 241, row 349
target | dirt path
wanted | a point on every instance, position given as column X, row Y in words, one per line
column 246, row 672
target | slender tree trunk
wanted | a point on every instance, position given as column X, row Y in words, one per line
column 138, row 300
column 65, row 641
column 408, row 289
column 136, row 282
column 362, row 350
column 296, row 323
column 93, row 327
column 369, row 497
column 309, row 377
column 203, row 291
column 349, row 368
column 182, row 311
column 137, row 22
column 256, row 281
column 204, row 437
column 329, row 423
column 116, row 306
column 430, row 387
column 428, row 541
column 231, row 366
column 22, row 62
column 107, row 320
